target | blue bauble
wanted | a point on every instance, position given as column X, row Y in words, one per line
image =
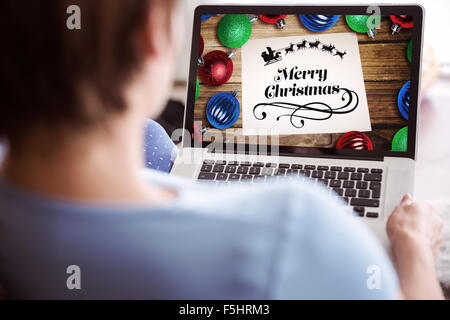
column 318, row 22
column 206, row 16
column 223, row 110
column 403, row 100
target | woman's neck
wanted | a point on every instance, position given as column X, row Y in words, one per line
column 95, row 166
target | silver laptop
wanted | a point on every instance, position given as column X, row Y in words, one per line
column 328, row 93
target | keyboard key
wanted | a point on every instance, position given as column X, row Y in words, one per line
column 376, row 194
column 297, row 166
column 350, row 193
column 230, row 169
column 246, row 163
column 372, row 215
column 206, row 168
column 372, row 177
column 233, row 163
column 375, row 185
column 246, row 177
column 210, row 162
column 221, row 162
column 349, row 169
column 376, row 171
column 339, row 191
column 258, row 164
column 335, row 183
column 218, row 168
column 267, row 171
column 356, row 176
column 361, row 185
column 206, row 176
column 363, row 170
column 234, row 177
column 343, row 175
column 330, row 175
column 364, row 193
column 254, row 170
column 365, row 202
column 359, row 211
column 292, row 171
column 242, row 170
column 284, row 166
column 306, row 173
column 349, row 184
column 271, row 165
column 317, row 174
column 259, row 178
column 336, row 168
column 310, row 167
column 280, row 172
column 323, row 168
column 222, row 176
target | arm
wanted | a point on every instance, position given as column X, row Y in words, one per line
column 415, row 233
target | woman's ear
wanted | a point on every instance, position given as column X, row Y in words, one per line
column 156, row 33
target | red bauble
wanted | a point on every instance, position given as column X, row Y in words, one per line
column 216, row 69
column 201, row 46
column 403, row 20
column 274, row 18
column 354, row 140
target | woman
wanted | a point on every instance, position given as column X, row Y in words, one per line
column 73, row 195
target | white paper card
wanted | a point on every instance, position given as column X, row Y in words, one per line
column 303, row 85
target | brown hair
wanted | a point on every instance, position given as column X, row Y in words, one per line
column 45, row 67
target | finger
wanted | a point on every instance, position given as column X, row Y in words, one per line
column 406, row 200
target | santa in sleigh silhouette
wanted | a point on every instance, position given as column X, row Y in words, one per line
column 271, row 56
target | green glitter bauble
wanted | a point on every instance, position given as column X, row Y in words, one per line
column 197, row 90
column 409, row 51
column 234, row 30
column 400, row 141
column 358, row 23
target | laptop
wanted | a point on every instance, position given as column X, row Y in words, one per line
column 324, row 93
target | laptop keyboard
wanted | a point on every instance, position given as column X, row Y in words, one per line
column 359, row 187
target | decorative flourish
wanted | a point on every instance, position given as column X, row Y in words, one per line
column 314, row 111
column 271, row 56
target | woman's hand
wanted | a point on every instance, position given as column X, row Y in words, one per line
column 415, row 233
column 415, row 224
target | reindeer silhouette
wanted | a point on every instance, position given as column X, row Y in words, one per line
column 328, row 48
column 302, row 45
column 340, row 54
column 289, row 49
column 314, row 45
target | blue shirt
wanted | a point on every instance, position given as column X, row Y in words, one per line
column 289, row 240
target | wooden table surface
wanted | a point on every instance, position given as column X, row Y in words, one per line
column 385, row 68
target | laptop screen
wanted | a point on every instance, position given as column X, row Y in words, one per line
column 309, row 80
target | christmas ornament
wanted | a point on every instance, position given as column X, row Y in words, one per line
column 206, row 16
column 216, row 67
column 354, row 140
column 223, row 110
column 197, row 90
column 201, row 46
column 409, row 51
column 274, row 18
column 403, row 100
column 359, row 23
column 318, row 22
column 401, row 22
column 400, row 140
column 234, row 30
